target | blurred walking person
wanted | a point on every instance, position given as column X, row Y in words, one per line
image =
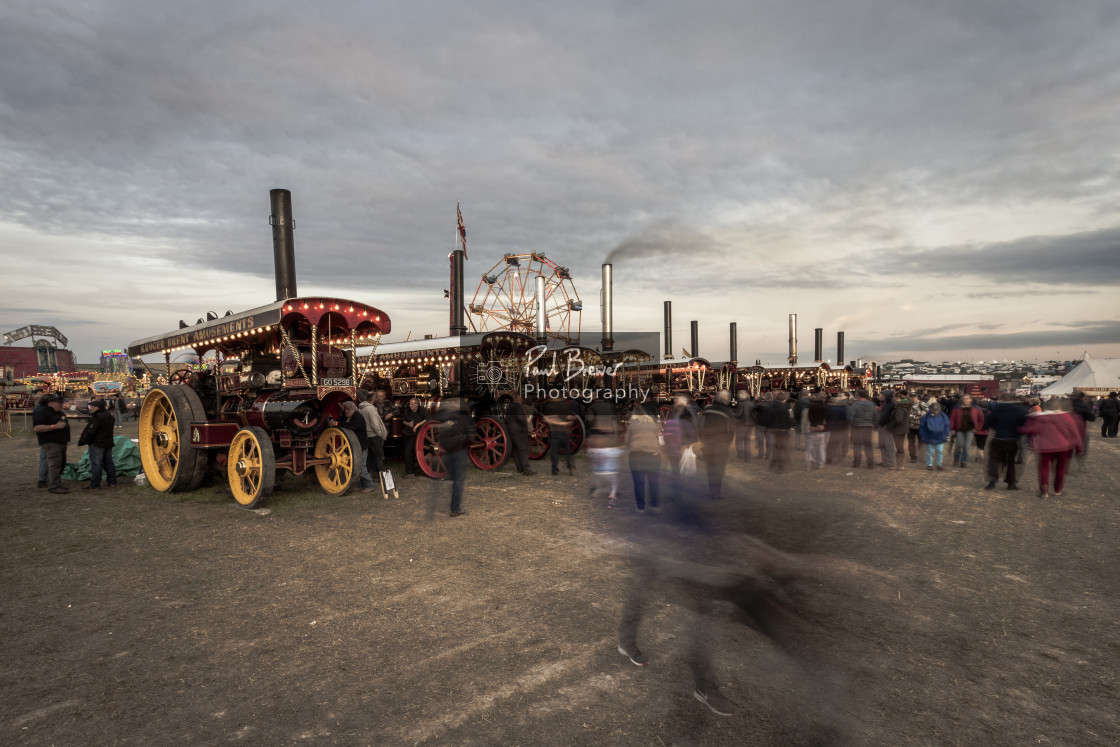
column 1004, row 421
column 863, row 416
column 816, row 432
column 964, row 421
column 558, row 414
column 744, row 425
column 603, row 450
column 717, row 429
column 918, row 408
column 1110, row 415
column 680, row 434
column 518, row 425
column 886, row 440
column 456, row 430
column 1083, row 411
column 777, row 419
column 643, row 444
column 412, row 418
column 898, row 425
column 1055, row 438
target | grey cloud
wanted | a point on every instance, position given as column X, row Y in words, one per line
column 1076, row 333
column 1088, row 258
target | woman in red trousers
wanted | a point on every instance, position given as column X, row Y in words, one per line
column 1055, row 437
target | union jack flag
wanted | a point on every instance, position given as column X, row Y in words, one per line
column 462, row 229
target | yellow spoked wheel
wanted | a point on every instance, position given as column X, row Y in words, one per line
column 251, row 467
column 342, row 473
column 170, row 463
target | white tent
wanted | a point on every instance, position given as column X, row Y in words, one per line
column 1095, row 378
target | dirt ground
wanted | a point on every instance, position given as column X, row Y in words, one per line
column 928, row 611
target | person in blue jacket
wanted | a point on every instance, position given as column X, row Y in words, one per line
column 933, row 430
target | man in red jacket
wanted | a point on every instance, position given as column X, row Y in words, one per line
column 1055, row 436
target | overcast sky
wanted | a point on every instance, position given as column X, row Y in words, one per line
column 937, row 179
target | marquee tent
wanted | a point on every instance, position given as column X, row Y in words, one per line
column 1095, row 378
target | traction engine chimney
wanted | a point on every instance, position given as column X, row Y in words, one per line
column 793, row 339
column 283, row 243
column 668, row 330
column 608, row 308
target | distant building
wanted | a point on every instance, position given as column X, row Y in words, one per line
column 976, row 385
column 42, row 358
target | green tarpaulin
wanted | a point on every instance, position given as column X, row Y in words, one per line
column 126, row 457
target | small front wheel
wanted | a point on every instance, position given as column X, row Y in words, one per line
column 341, row 447
column 251, row 466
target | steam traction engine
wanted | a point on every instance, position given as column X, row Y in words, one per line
column 486, row 370
column 281, row 372
column 277, row 376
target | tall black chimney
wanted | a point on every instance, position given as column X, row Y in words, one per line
column 608, row 308
column 695, row 339
column 458, row 325
column 668, row 330
column 840, row 348
column 793, row 339
column 818, row 344
column 734, row 342
column 283, row 243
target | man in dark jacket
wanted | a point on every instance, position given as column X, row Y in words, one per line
column 1082, row 410
column 744, row 424
column 518, row 426
column 455, row 434
column 1110, row 415
column 863, row 417
column 886, row 440
column 412, row 418
column 1003, row 440
column 776, row 419
column 898, row 426
column 558, row 414
column 98, row 434
column 717, row 428
column 53, row 432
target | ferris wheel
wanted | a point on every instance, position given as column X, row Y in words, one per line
column 506, row 298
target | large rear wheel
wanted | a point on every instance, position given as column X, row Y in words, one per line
column 169, row 462
column 428, row 454
column 490, row 448
column 538, row 436
column 251, row 467
column 344, row 451
column 576, row 433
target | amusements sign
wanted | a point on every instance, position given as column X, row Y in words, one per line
column 200, row 334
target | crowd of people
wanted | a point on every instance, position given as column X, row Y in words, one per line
column 906, row 430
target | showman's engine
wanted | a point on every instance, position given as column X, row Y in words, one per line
column 268, row 397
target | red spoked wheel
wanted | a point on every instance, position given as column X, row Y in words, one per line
column 576, row 433
column 664, row 411
column 184, row 376
column 428, row 454
column 490, row 449
column 538, row 436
